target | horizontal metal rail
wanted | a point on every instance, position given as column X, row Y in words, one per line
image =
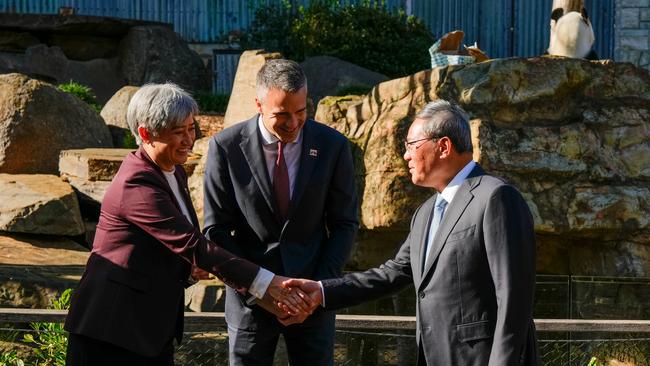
column 206, row 321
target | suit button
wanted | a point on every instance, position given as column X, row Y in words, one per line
column 421, row 294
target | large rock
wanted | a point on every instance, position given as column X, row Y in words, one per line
column 144, row 59
column 114, row 114
column 37, row 121
column 34, row 270
column 102, row 53
column 572, row 135
column 241, row 105
column 340, row 75
column 90, row 171
column 38, row 204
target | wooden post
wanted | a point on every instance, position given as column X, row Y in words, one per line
column 568, row 5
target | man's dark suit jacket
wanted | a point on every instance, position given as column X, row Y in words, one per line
column 475, row 295
column 241, row 213
column 131, row 294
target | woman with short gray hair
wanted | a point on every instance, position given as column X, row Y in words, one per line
column 128, row 306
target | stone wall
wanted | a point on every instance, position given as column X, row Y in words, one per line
column 632, row 37
column 572, row 135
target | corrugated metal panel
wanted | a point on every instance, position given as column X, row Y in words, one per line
column 532, row 26
column 490, row 23
column 224, row 67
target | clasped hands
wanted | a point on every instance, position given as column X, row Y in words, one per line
column 291, row 300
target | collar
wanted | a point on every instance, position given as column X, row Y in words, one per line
column 268, row 138
column 450, row 190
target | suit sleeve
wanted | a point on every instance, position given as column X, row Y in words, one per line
column 390, row 277
column 341, row 212
column 219, row 206
column 146, row 205
column 510, row 247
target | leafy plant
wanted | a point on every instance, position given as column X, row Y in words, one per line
column 10, row 358
column 51, row 340
column 128, row 141
column 368, row 34
column 82, row 92
column 209, row 102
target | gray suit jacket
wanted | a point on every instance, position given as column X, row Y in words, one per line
column 241, row 213
column 475, row 296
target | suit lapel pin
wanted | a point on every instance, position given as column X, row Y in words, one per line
column 313, row 152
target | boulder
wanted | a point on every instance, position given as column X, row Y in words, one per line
column 571, row 134
column 143, row 60
column 34, row 270
column 340, row 75
column 90, row 171
column 241, row 105
column 195, row 181
column 37, row 121
column 38, row 204
column 114, row 114
column 102, row 53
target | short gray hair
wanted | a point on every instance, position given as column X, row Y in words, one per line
column 282, row 74
column 455, row 125
column 157, row 107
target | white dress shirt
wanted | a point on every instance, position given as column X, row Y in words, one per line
column 291, row 154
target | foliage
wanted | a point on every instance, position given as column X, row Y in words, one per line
column 51, row 340
column 367, row 34
column 209, row 102
column 10, row 358
column 128, row 141
column 82, row 92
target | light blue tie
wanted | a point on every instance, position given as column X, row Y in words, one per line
column 438, row 212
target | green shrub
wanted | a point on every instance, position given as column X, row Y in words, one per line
column 10, row 358
column 82, row 92
column 209, row 102
column 51, row 340
column 368, row 34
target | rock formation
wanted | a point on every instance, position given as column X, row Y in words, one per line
column 37, row 121
column 572, row 135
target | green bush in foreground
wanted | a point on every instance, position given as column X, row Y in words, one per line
column 82, row 92
column 51, row 340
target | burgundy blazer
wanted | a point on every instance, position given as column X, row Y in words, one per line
column 131, row 293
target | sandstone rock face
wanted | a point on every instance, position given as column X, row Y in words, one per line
column 327, row 75
column 37, row 121
column 35, row 270
column 195, row 181
column 90, row 171
column 38, row 204
column 241, row 105
column 102, row 53
column 156, row 54
column 572, row 135
column 114, row 114
column 114, row 111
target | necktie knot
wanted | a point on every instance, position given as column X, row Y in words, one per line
column 441, row 203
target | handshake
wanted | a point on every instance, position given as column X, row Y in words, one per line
column 291, row 300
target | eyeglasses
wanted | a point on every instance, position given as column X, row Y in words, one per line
column 411, row 147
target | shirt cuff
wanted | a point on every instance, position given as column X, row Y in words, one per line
column 261, row 283
column 322, row 293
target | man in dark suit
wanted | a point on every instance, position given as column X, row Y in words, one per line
column 279, row 191
column 470, row 254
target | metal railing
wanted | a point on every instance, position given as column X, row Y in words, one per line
column 389, row 340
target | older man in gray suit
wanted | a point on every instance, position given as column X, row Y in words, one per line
column 470, row 254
